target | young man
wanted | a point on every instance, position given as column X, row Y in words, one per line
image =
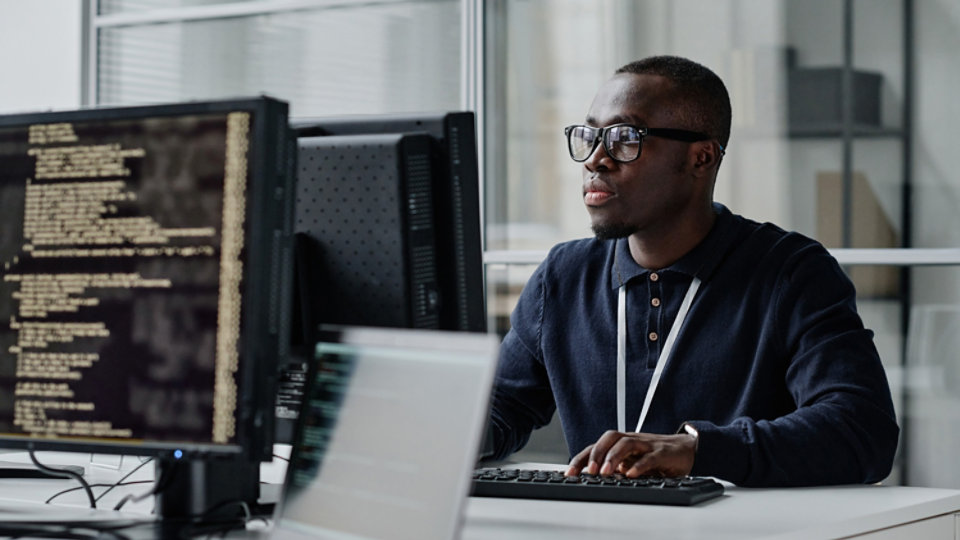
column 685, row 339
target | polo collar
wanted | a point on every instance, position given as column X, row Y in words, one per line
column 701, row 261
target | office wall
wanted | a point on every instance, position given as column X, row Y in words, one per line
column 39, row 54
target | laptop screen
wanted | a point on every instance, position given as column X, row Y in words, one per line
column 388, row 435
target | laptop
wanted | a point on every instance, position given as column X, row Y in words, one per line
column 388, row 435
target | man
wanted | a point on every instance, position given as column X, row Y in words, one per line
column 685, row 339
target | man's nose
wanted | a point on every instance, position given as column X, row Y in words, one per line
column 598, row 158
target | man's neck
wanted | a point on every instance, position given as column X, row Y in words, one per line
column 658, row 249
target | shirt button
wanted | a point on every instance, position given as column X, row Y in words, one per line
column 655, row 302
column 653, row 336
column 654, row 276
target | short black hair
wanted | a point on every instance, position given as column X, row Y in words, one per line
column 702, row 96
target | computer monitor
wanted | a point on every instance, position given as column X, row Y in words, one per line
column 455, row 194
column 144, row 282
column 387, row 231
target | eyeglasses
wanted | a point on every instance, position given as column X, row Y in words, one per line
column 621, row 141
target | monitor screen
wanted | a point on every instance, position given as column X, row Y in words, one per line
column 426, row 393
column 143, row 276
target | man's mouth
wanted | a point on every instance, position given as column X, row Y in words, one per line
column 596, row 193
column 596, row 198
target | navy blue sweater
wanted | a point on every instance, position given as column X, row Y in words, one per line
column 773, row 365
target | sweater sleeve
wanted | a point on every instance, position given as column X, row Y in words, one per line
column 843, row 429
column 522, row 399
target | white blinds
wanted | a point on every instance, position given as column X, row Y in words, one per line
column 336, row 58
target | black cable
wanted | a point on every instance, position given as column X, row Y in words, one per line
column 128, row 475
column 247, row 515
column 281, row 458
column 78, row 530
column 161, row 485
column 113, row 485
column 195, row 525
column 63, row 473
column 199, row 525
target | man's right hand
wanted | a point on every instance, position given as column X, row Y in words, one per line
column 636, row 454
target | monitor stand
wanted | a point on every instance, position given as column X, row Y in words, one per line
column 215, row 492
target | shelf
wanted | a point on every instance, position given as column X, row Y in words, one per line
column 845, row 256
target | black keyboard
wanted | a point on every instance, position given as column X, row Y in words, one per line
column 533, row 484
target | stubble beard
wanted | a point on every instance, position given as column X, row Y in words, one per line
column 609, row 231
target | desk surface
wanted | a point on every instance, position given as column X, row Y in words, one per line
column 741, row 513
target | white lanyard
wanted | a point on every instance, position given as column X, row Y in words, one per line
column 661, row 361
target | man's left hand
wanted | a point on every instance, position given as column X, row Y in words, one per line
column 636, row 454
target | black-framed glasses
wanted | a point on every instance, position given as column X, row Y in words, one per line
column 621, row 141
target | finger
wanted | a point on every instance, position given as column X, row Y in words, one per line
column 645, row 465
column 624, row 454
column 663, row 460
column 579, row 461
column 600, row 450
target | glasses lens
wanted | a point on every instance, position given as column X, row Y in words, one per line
column 581, row 140
column 622, row 142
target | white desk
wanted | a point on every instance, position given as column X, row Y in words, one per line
column 99, row 469
column 21, row 499
column 873, row 512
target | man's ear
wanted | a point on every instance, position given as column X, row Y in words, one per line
column 707, row 156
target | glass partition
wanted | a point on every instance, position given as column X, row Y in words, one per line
column 841, row 114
